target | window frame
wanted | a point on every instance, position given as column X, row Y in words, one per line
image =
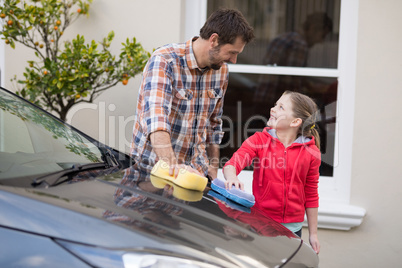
column 335, row 211
column 2, row 55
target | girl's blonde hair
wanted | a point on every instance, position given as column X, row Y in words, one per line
column 306, row 109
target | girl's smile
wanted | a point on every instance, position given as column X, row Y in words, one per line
column 281, row 114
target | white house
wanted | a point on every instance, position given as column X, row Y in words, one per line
column 360, row 200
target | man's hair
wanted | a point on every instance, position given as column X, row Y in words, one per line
column 228, row 24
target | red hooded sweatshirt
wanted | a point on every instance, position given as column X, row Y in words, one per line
column 285, row 180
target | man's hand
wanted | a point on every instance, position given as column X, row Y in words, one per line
column 162, row 146
column 175, row 169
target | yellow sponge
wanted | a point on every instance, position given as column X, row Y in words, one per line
column 185, row 178
column 178, row 192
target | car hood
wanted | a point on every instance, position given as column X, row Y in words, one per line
column 130, row 209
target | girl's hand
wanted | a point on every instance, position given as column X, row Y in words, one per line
column 234, row 181
column 229, row 172
column 315, row 244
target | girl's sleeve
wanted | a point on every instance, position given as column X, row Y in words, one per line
column 311, row 187
column 244, row 156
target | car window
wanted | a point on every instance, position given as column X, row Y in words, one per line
column 33, row 142
column 15, row 138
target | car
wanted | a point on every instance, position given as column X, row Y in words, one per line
column 67, row 200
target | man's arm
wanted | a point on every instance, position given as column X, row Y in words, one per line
column 213, row 157
column 162, row 146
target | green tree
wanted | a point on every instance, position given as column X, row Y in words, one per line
column 66, row 72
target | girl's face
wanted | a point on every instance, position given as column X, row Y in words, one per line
column 281, row 116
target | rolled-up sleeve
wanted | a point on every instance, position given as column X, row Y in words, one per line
column 157, row 96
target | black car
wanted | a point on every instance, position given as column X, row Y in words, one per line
column 67, row 200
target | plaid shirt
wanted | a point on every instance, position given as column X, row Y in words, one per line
column 178, row 97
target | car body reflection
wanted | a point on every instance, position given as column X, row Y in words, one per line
column 79, row 203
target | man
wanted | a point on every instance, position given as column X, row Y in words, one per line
column 180, row 100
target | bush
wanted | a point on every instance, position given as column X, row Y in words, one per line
column 68, row 74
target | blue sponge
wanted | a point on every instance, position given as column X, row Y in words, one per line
column 236, row 195
column 231, row 204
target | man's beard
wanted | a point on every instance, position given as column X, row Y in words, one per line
column 212, row 59
column 215, row 67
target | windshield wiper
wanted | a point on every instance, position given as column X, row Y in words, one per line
column 54, row 178
column 109, row 158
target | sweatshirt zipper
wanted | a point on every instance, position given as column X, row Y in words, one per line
column 284, row 186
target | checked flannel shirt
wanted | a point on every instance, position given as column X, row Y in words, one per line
column 178, row 97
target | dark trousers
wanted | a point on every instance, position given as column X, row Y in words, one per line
column 298, row 233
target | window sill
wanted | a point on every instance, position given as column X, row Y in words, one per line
column 339, row 216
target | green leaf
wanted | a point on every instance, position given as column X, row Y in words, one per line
column 110, row 35
column 78, row 66
column 48, row 63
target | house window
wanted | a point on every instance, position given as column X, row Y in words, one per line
column 289, row 33
column 300, row 33
column 248, row 101
column 326, row 73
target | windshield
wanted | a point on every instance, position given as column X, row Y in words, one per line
column 33, row 142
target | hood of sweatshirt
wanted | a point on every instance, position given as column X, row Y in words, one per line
column 301, row 142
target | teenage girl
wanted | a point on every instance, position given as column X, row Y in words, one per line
column 286, row 159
